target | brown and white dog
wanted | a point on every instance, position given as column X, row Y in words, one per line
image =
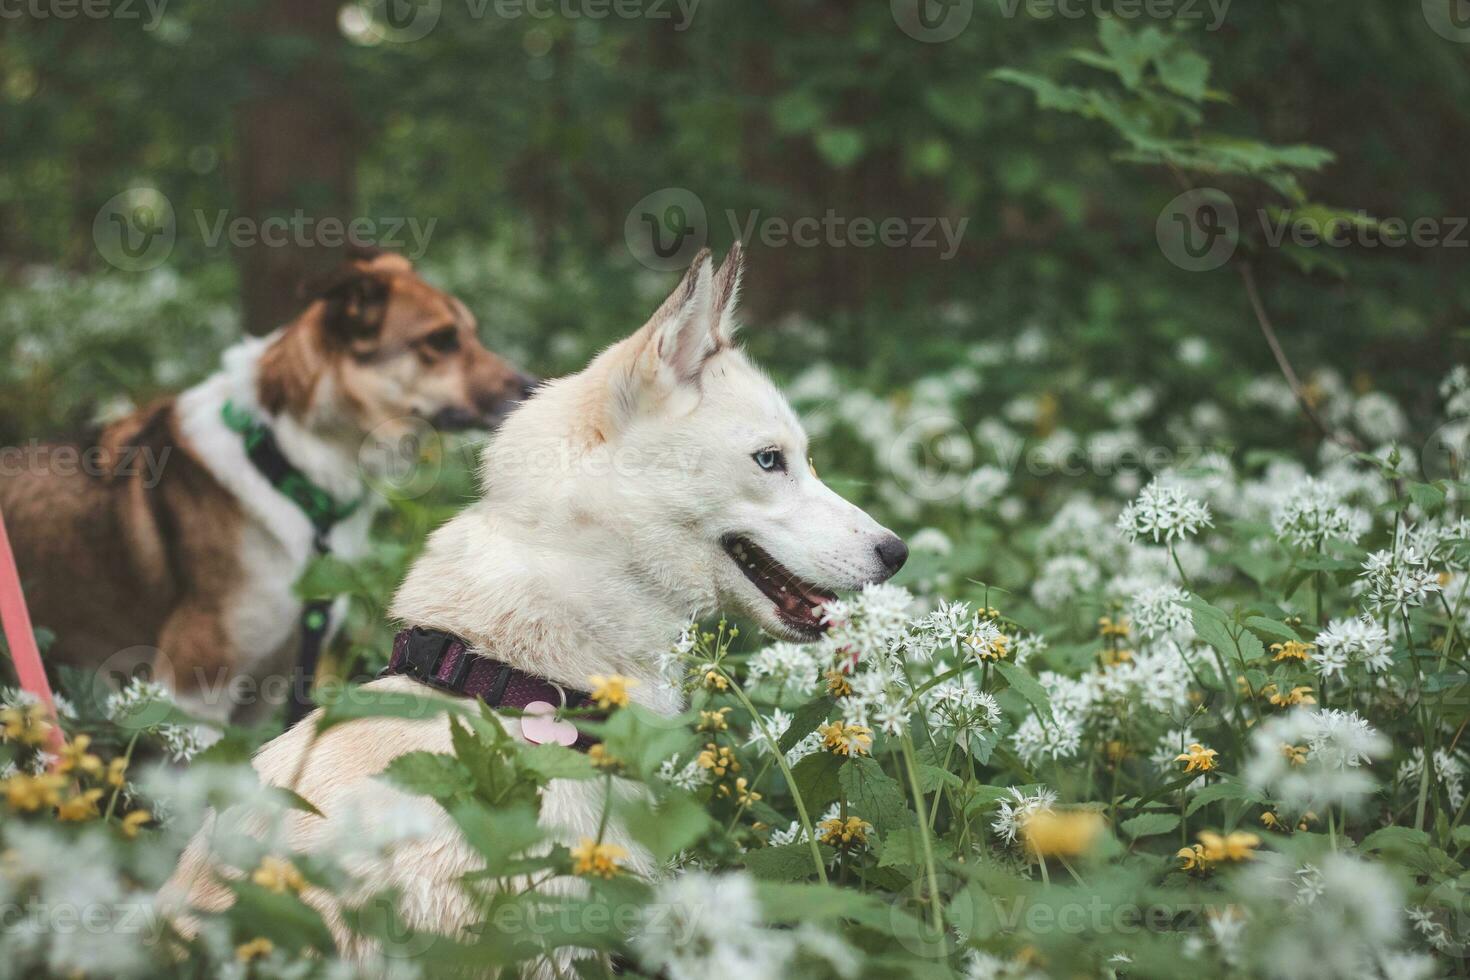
column 666, row 480
column 195, row 555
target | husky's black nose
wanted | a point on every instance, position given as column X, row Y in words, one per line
column 892, row 552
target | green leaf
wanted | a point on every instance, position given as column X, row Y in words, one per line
column 665, row 827
column 429, row 774
column 1403, row 839
column 1184, row 72
column 1429, row 497
column 500, row 835
column 874, row 795
column 1149, row 824
column 804, row 721
column 1028, row 687
column 817, row 778
column 904, row 848
column 789, row 862
column 1272, row 628
column 550, row 762
column 1219, row 791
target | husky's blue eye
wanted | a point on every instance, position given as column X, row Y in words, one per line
column 771, row 460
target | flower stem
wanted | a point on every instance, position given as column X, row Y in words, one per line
column 935, row 908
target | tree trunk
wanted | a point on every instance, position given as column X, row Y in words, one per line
column 296, row 143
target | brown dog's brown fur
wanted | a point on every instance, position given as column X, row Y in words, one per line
column 117, row 555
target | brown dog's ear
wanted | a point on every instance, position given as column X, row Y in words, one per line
column 355, row 298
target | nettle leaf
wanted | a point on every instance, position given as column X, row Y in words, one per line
column 1272, row 628
column 1028, row 687
column 1225, row 790
column 429, row 774
column 284, row 919
column 1429, row 497
column 874, row 795
column 1049, row 95
column 817, row 780
column 667, row 826
column 550, row 762
column 904, row 848
column 1149, row 824
column 500, row 834
column 804, row 721
column 789, row 862
column 1402, row 839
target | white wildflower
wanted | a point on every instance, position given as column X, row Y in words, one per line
column 1360, row 640
column 1163, row 513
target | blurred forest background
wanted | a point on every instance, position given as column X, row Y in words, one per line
column 523, row 142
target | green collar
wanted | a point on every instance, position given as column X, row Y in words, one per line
column 319, row 506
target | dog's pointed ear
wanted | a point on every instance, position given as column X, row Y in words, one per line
column 727, row 293
column 355, row 300
column 685, row 338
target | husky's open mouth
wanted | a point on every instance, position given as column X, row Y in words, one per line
column 798, row 603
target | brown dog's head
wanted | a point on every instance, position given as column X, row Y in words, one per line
column 377, row 346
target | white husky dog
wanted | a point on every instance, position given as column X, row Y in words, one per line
column 666, row 480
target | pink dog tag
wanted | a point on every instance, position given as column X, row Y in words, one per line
column 539, row 725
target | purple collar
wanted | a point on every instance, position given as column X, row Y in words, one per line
column 445, row 661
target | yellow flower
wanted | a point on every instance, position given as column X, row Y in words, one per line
column 718, row 759
column 852, row 832
column 744, row 795
column 1292, row 650
column 1116, row 751
column 1066, row 833
column 1295, row 754
column 74, row 755
column 116, row 771
column 82, row 806
column 611, row 690
column 1298, row 695
column 837, row 684
column 1271, row 822
column 601, row 860
column 845, row 739
column 278, row 876
column 254, row 950
column 1193, row 859
column 1197, row 758
column 1307, row 820
column 602, row 758
column 134, row 822
column 25, row 793
column 714, row 680
column 27, row 724
column 714, row 721
column 994, row 649
column 1238, row 846
column 1112, row 658
column 1107, row 627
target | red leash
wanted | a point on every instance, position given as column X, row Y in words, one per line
column 18, row 633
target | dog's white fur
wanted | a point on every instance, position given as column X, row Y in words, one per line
column 276, row 538
column 598, row 538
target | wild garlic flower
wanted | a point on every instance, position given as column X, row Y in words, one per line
column 1314, row 513
column 1395, row 583
column 1360, row 640
column 1013, row 812
column 1338, row 743
column 1160, row 612
column 1163, row 513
